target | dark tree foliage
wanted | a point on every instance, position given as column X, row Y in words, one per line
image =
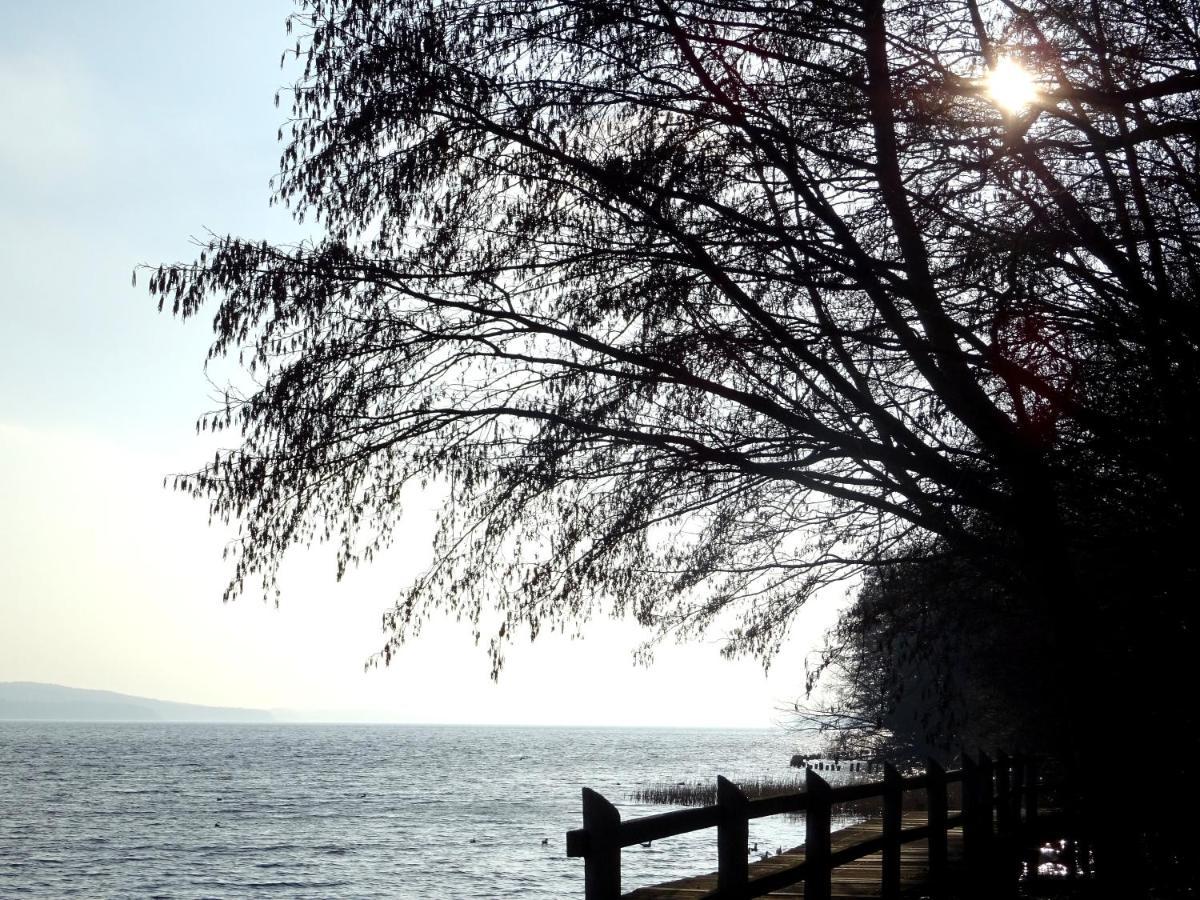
column 932, row 658
column 695, row 307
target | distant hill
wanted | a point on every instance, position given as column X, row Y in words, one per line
column 53, row 702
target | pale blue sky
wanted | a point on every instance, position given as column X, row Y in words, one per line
column 126, row 128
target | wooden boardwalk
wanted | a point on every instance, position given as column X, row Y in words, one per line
column 917, row 847
column 858, row 878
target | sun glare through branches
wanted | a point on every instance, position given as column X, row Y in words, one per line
column 1010, row 85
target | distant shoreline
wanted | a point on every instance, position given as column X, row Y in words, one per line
column 28, row 701
column 31, row 701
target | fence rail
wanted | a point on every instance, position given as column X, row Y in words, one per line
column 999, row 804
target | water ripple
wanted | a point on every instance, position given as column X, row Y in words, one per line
column 194, row 811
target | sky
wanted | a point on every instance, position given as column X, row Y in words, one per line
column 127, row 130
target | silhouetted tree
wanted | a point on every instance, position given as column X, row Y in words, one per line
column 933, row 657
column 696, row 307
column 936, row 657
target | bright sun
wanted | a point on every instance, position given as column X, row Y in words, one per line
column 1010, row 86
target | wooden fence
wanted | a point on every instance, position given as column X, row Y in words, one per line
column 999, row 807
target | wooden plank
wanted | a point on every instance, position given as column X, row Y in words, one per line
column 857, row 879
column 665, row 825
column 818, row 839
column 732, row 838
column 602, row 865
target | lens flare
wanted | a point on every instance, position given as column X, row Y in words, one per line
column 1010, row 86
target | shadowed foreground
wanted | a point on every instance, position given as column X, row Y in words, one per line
column 859, row 878
column 919, row 848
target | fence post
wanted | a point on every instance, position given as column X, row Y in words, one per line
column 602, row 864
column 1008, row 858
column 1003, row 795
column 1031, row 792
column 893, row 806
column 987, row 826
column 817, row 843
column 987, row 799
column 1033, row 850
column 970, row 810
column 1018, row 792
column 733, row 836
column 935, row 793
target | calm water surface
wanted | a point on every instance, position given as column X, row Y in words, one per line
column 191, row 810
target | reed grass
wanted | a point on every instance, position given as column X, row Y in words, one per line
column 704, row 793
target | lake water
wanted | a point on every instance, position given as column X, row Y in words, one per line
column 192, row 810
